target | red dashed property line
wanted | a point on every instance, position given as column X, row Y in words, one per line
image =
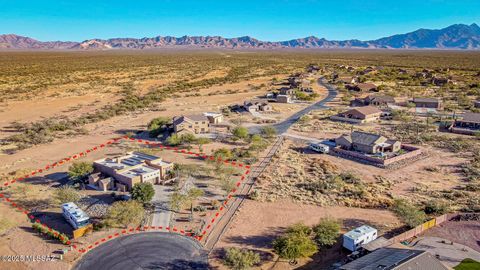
column 10, row 202
column 61, row 162
column 130, row 230
column 208, row 228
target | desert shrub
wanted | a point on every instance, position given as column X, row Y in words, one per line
column 240, row 259
column 408, row 213
column 268, row 132
column 66, row 194
column 349, row 178
column 143, row 192
column 435, row 207
column 125, row 213
column 327, row 231
column 79, row 171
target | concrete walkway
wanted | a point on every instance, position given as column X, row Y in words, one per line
column 161, row 201
column 449, row 253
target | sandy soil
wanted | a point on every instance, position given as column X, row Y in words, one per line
column 463, row 232
column 258, row 223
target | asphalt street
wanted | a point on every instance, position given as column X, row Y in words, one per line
column 283, row 126
column 152, row 250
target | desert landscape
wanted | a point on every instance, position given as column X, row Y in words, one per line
column 253, row 175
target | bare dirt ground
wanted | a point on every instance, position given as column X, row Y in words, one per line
column 115, row 127
column 258, row 223
column 463, row 232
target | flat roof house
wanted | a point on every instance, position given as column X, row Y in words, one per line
column 357, row 237
column 396, row 259
column 195, row 124
column 284, row 99
column 432, row 103
column 359, row 115
column 214, row 118
column 469, row 124
column 367, row 143
column 133, row 168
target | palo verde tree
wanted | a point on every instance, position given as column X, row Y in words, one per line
column 79, row 171
column 143, row 192
column 296, row 243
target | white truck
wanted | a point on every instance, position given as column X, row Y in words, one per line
column 319, row 147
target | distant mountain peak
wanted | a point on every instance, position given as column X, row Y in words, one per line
column 456, row 36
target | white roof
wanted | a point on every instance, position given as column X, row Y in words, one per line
column 139, row 171
column 360, row 231
column 75, row 211
column 212, row 114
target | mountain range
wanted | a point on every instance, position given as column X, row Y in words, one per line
column 457, row 36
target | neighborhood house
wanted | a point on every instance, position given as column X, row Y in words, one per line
column 373, row 100
column 431, row 103
column 124, row 172
column 359, row 115
column 396, row 259
column 353, row 239
column 284, row 99
column 361, row 87
column 469, row 124
column 367, row 143
column 196, row 124
column 255, row 106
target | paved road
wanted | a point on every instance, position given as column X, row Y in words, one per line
column 153, row 250
column 161, row 201
column 283, row 126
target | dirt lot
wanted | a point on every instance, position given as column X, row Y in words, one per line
column 258, row 223
column 463, row 232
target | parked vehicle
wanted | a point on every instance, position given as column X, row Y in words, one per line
column 319, row 147
column 74, row 215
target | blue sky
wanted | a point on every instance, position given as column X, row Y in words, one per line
column 263, row 19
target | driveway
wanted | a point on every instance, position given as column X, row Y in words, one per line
column 446, row 251
column 153, row 250
column 161, row 201
column 283, row 126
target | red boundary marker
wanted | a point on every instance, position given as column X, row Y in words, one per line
column 129, row 230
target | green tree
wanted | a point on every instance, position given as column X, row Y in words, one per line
column 79, row 171
column 125, row 214
column 143, row 192
column 66, row 194
column 408, row 213
column 240, row 133
column 240, row 259
column 157, row 126
column 173, row 140
column 294, row 245
column 327, row 231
